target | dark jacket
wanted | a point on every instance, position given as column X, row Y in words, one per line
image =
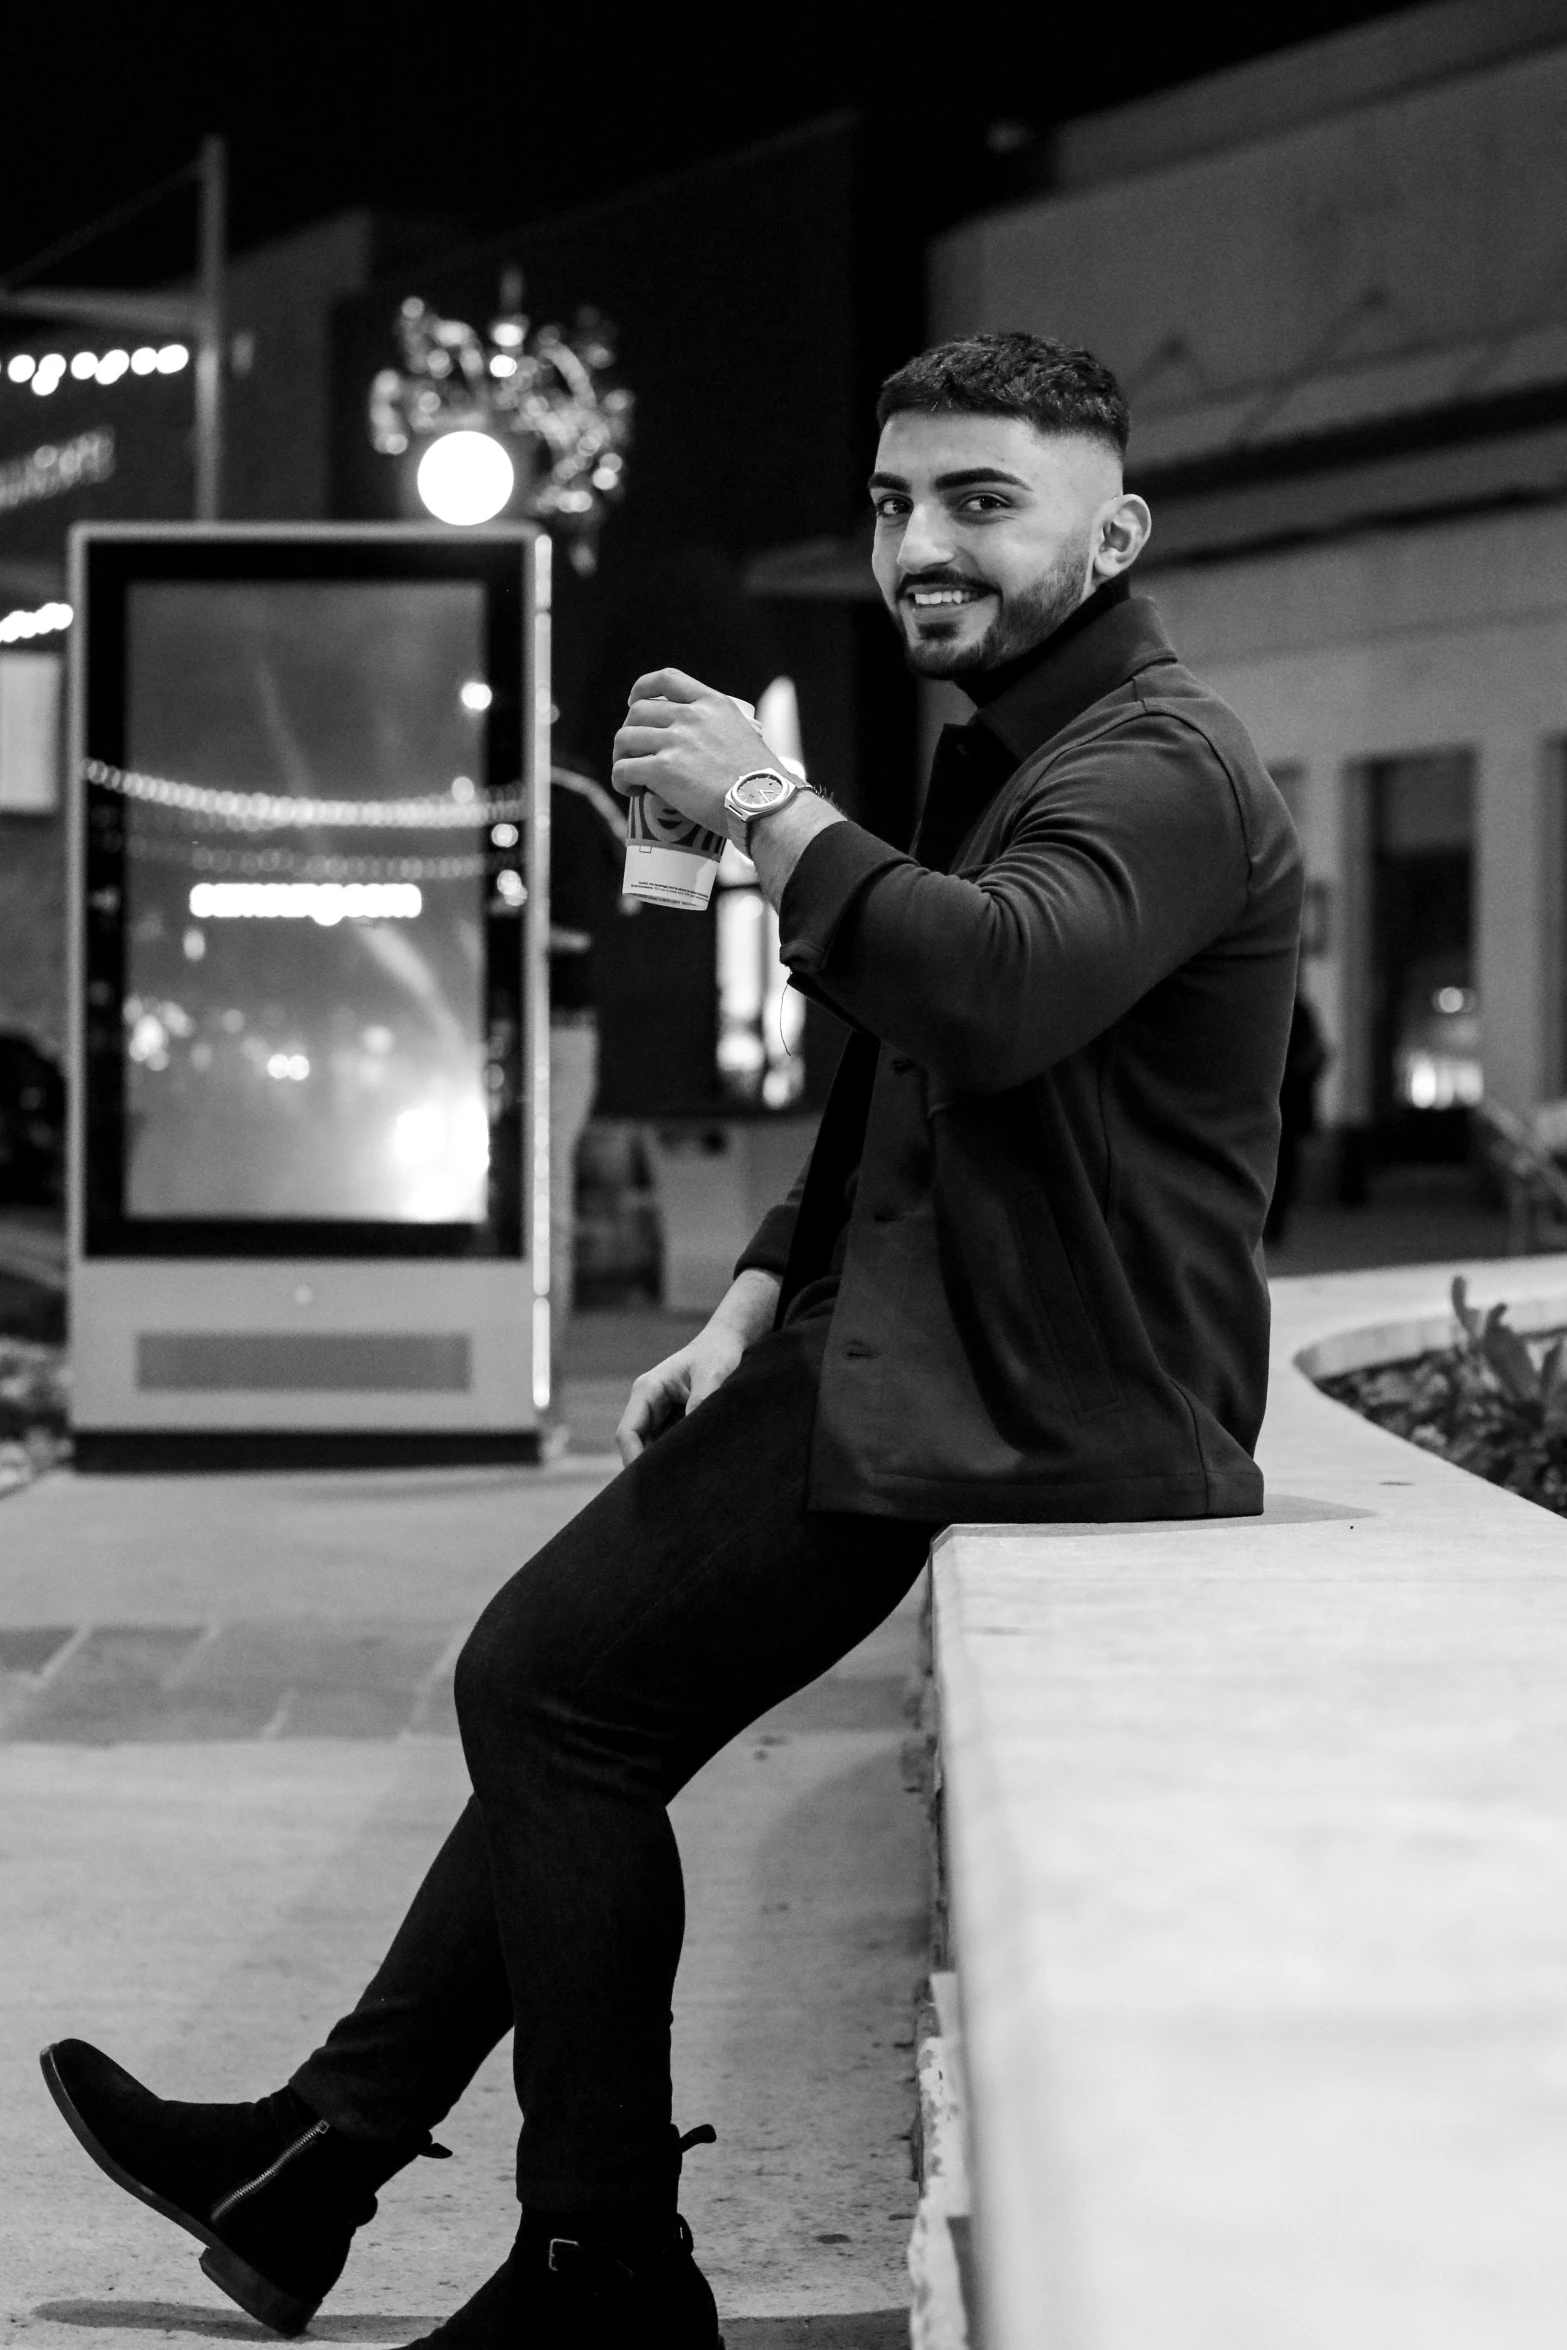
column 1061, row 1094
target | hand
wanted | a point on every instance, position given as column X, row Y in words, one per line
column 687, row 743
column 684, row 1379
column 674, row 1387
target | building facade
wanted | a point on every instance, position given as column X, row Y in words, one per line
column 1334, row 284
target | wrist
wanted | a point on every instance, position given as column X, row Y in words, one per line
column 747, row 1308
column 778, row 845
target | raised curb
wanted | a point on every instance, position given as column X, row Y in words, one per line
column 1256, row 1838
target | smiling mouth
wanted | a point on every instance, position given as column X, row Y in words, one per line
column 943, row 599
column 938, row 598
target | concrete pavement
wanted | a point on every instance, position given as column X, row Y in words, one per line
column 226, row 1752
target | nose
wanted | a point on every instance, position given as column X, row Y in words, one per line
column 926, row 540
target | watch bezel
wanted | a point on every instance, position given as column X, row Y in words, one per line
column 787, row 786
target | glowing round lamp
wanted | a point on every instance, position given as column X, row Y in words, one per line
column 465, row 477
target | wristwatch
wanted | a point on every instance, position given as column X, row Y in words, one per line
column 762, row 792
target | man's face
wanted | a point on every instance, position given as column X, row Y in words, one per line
column 988, row 533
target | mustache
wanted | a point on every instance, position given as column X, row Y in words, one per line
column 941, row 579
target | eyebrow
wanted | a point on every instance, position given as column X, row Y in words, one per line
column 968, row 479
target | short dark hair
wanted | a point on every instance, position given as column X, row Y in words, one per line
column 1050, row 385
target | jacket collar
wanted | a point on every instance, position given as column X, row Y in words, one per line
column 1109, row 638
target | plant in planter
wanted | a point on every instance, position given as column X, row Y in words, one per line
column 1493, row 1403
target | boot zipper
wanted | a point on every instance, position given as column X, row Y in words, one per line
column 264, row 2178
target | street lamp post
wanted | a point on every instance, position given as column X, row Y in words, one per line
column 212, row 167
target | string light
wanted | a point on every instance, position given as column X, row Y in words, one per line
column 166, row 801
column 46, row 374
column 291, row 865
column 15, row 626
column 259, row 811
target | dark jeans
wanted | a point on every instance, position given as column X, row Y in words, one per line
column 690, row 1595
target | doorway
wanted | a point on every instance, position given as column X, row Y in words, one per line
column 1425, row 1052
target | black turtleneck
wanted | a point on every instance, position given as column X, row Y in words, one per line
column 988, row 685
column 1022, row 703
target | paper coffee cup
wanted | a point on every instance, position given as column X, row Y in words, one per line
column 669, row 860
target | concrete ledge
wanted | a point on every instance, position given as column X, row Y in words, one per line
column 1256, row 1836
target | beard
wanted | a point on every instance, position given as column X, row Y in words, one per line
column 1018, row 624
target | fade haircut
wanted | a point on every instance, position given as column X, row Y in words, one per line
column 1050, row 385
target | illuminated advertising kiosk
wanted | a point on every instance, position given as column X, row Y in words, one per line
column 309, row 1174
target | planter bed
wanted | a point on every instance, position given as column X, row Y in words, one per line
column 1493, row 1403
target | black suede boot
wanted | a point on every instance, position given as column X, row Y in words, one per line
column 613, row 2280
column 271, row 2190
column 588, row 2291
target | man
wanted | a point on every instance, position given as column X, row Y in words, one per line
column 1019, row 1280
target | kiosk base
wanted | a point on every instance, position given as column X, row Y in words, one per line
column 182, row 1363
column 131, row 1452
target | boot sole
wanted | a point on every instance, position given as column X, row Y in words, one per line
column 259, row 2298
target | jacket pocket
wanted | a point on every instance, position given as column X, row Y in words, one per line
column 1085, row 1366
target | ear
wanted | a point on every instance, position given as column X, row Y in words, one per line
column 1122, row 528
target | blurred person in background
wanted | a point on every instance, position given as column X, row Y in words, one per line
column 1305, row 1058
column 587, row 838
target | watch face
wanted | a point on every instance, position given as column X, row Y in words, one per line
column 760, row 791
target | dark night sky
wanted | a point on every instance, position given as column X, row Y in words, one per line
column 483, row 116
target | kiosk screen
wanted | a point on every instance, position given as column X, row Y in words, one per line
column 305, row 1017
